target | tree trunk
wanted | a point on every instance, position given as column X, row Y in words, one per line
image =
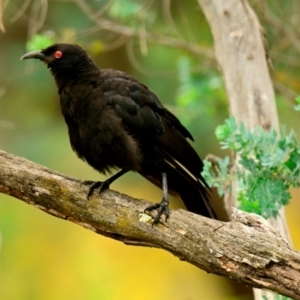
column 241, row 53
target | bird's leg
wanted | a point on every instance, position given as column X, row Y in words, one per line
column 163, row 206
column 102, row 185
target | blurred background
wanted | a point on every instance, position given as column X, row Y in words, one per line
column 168, row 46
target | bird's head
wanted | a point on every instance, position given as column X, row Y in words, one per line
column 63, row 60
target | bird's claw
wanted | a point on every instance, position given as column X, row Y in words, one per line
column 86, row 182
column 162, row 208
column 100, row 185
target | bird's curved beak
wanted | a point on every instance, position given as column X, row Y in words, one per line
column 34, row 54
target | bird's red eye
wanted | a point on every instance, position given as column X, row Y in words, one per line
column 58, row 54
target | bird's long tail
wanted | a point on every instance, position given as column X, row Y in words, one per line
column 193, row 194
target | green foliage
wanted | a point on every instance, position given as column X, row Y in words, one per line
column 40, row 41
column 131, row 12
column 297, row 107
column 219, row 178
column 277, row 297
column 199, row 94
column 124, row 9
column 267, row 166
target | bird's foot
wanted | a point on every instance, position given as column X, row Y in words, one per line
column 100, row 185
column 162, row 208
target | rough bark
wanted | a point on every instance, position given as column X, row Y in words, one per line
column 246, row 249
column 240, row 48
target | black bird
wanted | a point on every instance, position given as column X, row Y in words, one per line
column 116, row 122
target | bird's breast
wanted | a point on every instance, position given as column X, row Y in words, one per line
column 98, row 136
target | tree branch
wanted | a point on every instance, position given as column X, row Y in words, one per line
column 247, row 249
column 111, row 26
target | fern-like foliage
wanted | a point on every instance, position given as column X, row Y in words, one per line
column 268, row 165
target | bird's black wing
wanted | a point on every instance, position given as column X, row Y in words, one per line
column 139, row 107
column 144, row 115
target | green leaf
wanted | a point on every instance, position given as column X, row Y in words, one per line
column 225, row 131
column 248, row 163
column 218, row 178
column 264, row 196
column 294, row 160
column 297, row 107
column 266, row 167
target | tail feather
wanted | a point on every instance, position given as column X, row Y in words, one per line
column 196, row 199
column 193, row 194
column 174, row 155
